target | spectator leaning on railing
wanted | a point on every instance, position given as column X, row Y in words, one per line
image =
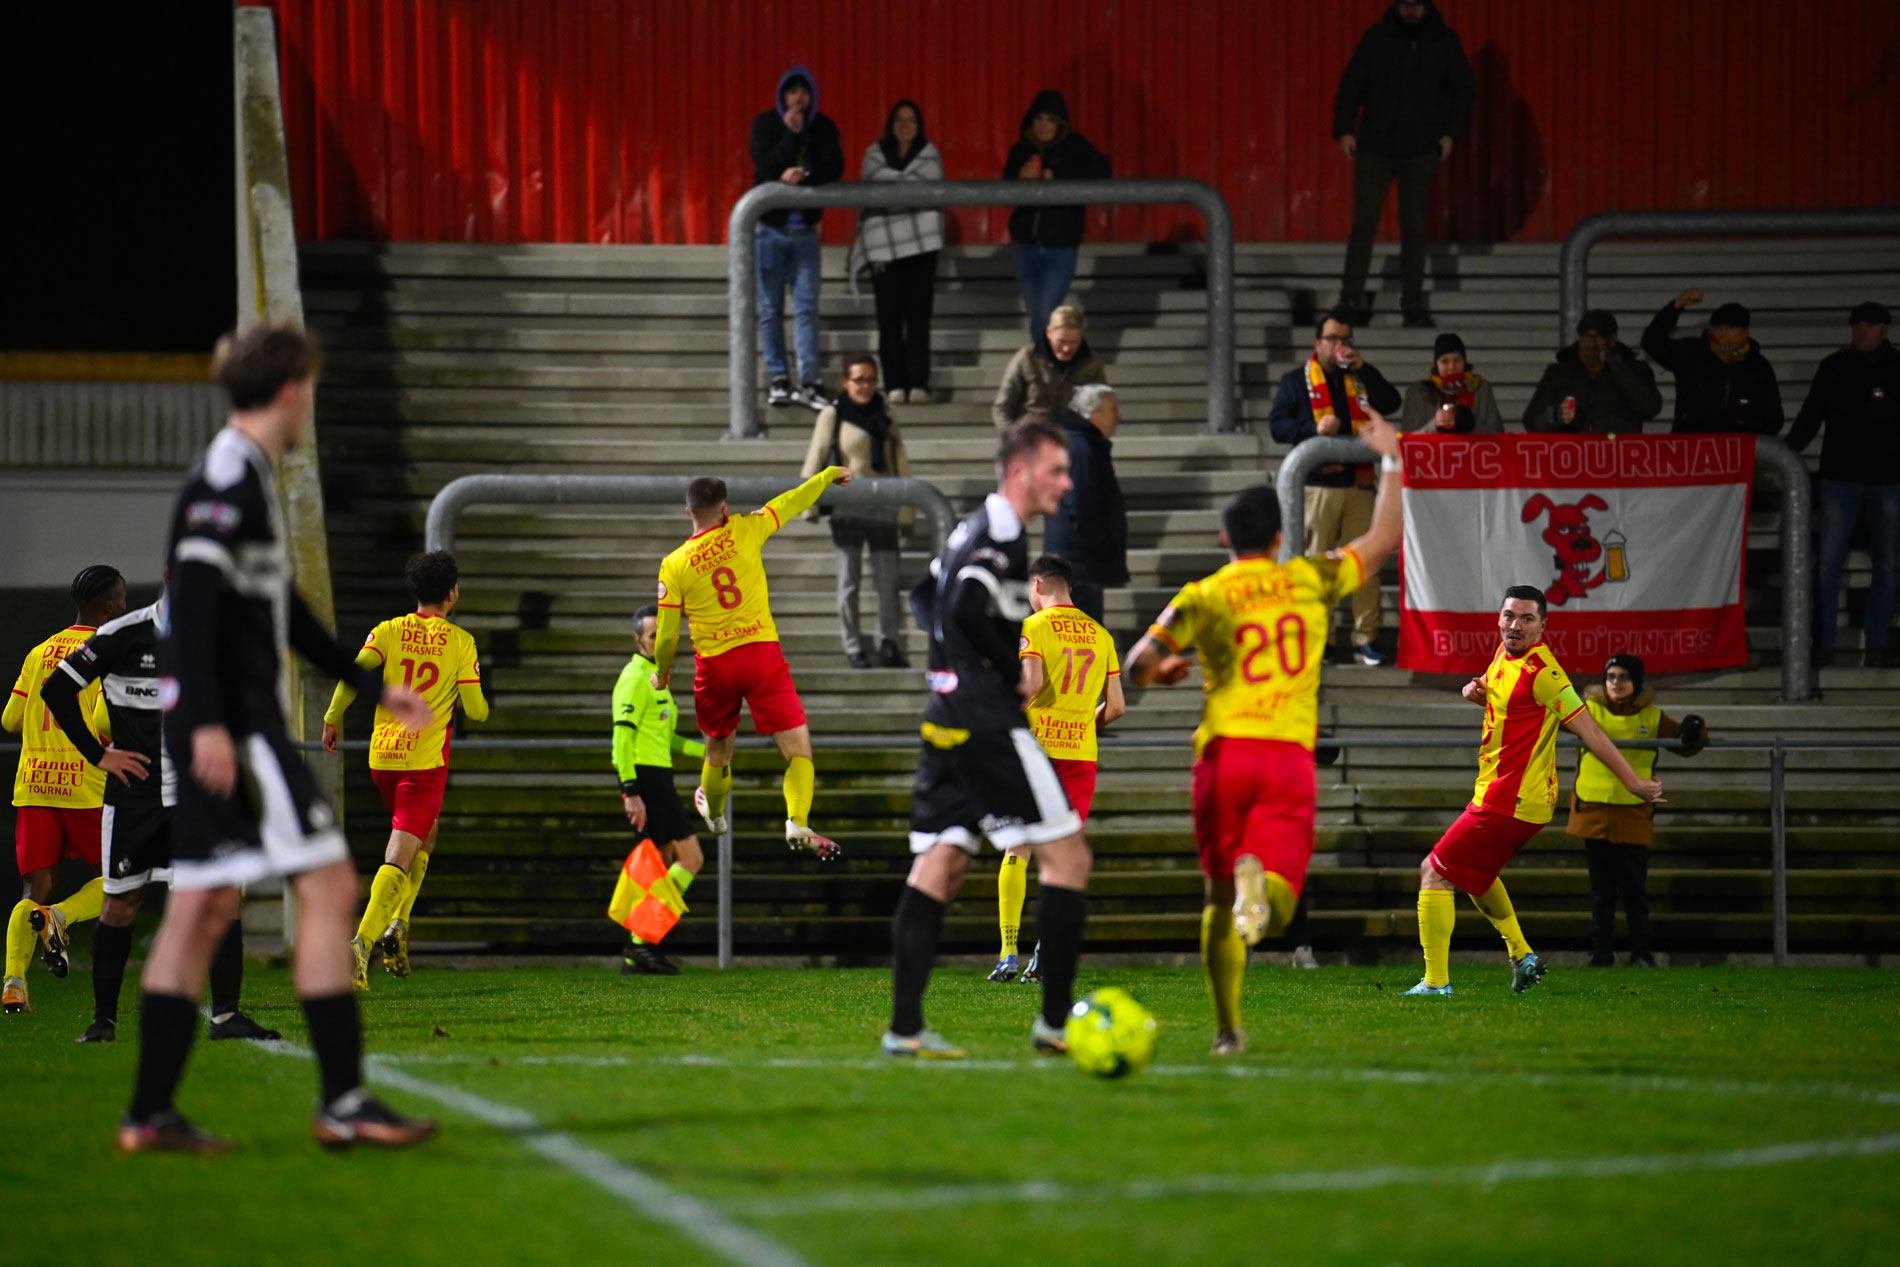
column 1595, row 385
column 1723, row 382
column 1856, row 395
column 1615, row 825
column 794, row 144
column 1046, row 238
column 1044, row 373
column 1452, row 398
column 1090, row 527
column 900, row 248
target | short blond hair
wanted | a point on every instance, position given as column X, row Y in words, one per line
column 1067, row 317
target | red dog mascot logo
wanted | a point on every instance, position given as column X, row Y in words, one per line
column 1575, row 546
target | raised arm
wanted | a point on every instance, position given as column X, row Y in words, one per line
column 1585, row 727
column 794, row 502
column 1388, row 511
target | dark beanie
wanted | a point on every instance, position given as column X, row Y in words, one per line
column 1448, row 343
column 1598, row 321
column 1629, row 664
column 1871, row 313
column 1730, row 314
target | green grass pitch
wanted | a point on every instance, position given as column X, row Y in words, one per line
column 1731, row 1115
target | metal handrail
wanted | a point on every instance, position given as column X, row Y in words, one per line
column 1573, row 268
column 1772, row 457
column 742, row 294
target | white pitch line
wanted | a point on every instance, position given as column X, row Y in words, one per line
column 694, row 1219
column 1039, row 1191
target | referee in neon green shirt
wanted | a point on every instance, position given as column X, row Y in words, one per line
column 646, row 735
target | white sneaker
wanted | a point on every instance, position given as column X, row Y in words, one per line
column 1303, row 957
column 926, row 1044
column 897, row 396
column 799, row 836
column 717, row 826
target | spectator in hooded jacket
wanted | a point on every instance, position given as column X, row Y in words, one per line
column 900, row 250
column 1408, row 91
column 1090, row 527
column 1046, row 238
column 795, row 144
column 1043, row 374
column 1596, row 385
column 1723, row 382
column 1856, row 395
column 1452, row 399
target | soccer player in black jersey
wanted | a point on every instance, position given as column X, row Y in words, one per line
column 982, row 773
column 247, row 808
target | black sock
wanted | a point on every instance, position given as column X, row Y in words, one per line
column 336, row 1032
column 1060, row 914
column 167, row 1025
column 916, row 926
column 111, row 947
column 227, row 971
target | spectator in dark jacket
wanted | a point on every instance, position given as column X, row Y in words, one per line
column 1596, row 385
column 1452, row 399
column 1334, row 394
column 1723, row 382
column 1090, row 527
column 1856, row 395
column 795, row 144
column 1040, row 378
column 1046, row 238
column 1409, row 92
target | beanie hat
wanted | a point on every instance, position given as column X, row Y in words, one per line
column 1629, row 664
column 1730, row 314
column 1445, row 344
column 1870, row 312
column 1597, row 321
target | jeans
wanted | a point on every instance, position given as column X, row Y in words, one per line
column 1044, row 273
column 1618, row 871
column 1842, row 505
column 906, row 291
column 851, row 535
column 1372, row 175
column 789, row 257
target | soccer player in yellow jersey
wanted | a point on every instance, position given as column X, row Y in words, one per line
column 436, row 659
column 58, row 795
column 1072, row 678
column 1526, row 696
column 1260, row 626
column 717, row 579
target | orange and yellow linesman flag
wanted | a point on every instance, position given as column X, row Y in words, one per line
column 646, row 902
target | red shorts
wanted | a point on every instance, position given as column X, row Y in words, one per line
column 1078, row 780
column 754, row 674
column 1478, row 845
column 414, row 798
column 43, row 835
column 1255, row 796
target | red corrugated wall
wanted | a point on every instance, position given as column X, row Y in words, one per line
column 626, row 120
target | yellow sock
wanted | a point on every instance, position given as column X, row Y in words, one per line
column 1496, row 905
column 85, row 904
column 717, row 780
column 417, row 869
column 1223, row 962
column 1012, row 883
column 385, row 895
column 20, row 939
column 1437, row 913
column 800, row 782
column 1281, row 899
column 680, row 876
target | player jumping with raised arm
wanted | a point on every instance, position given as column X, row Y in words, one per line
column 718, row 580
column 57, row 794
column 436, row 659
column 1526, row 696
column 1073, row 678
column 1261, row 629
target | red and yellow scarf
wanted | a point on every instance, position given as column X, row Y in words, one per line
column 1732, row 351
column 1323, row 407
column 1459, row 389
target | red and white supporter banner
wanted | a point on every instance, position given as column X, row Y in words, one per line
column 1637, row 541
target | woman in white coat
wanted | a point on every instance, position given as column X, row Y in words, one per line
column 899, row 249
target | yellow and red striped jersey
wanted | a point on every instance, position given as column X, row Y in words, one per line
column 51, row 772
column 1261, row 630
column 1525, row 699
column 435, row 659
column 1078, row 657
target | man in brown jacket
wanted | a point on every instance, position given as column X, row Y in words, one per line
column 1042, row 375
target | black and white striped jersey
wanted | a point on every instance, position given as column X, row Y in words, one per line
column 123, row 655
column 973, row 605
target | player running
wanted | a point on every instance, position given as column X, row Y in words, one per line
column 424, row 652
column 1073, row 679
column 57, row 795
column 135, row 834
column 718, row 580
column 1526, row 696
column 646, row 735
column 982, row 772
column 1261, row 629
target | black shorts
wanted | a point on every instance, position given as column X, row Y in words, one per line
column 135, row 846
column 667, row 819
column 275, row 823
column 998, row 784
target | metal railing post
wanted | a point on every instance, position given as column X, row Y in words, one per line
column 1308, row 456
column 725, row 892
column 1797, row 565
column 1778, row 845
column 742, row 299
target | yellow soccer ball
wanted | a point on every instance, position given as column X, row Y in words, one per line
column 1110, row 1034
